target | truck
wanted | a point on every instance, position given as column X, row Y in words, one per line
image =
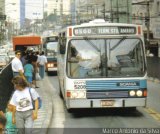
column 23, row 41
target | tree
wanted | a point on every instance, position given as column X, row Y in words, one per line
column 51, row 18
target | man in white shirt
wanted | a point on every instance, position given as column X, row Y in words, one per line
column 17, row 66
column 42, row 61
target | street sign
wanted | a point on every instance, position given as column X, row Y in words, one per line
column 2, row 17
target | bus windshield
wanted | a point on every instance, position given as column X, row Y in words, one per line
column 51, row 49
column 107, row 58
column 52, row 46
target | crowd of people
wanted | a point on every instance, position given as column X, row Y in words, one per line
column 29, row 65
column 20, row 115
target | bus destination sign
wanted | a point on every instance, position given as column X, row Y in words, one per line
column 104, row 30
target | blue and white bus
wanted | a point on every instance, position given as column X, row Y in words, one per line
column 102, row 65
column 50, row 48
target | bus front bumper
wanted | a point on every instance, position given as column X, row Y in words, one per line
column 51, row 69
column 104, row 103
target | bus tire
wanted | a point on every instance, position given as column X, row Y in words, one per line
column 60, row 92
column 130, row 109
column 71, row 110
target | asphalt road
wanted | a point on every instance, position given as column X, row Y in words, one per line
column 103, row 118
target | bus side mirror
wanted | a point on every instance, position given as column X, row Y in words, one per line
column 44, row 45
column 62, row 49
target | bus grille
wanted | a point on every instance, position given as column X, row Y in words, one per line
column 107, row 94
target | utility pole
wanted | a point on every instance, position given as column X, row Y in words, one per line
column 148, row 24
column 111, row 11
column 97, row 10
column 104, row 14
column 117, row 12
column 147, row 18
column 61, row 12
column 128, row 13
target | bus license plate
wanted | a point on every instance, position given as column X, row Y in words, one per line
column 107, row 103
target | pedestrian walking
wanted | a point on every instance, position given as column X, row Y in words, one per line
column 23, row 58
column 33, row 57
column 42, row 63
column 28, row 72
column 23, row 113
column 10, row 127
column 38, row 55
column 16, row 64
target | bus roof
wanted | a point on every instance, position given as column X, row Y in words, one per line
column 102, row 24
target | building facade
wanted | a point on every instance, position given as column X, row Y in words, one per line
column 155, row 27
column 58, row 7
column 12, row 11
column 2, row 6
column 2, row 12
column 34, row 9
column 52, row 6
column 119, row 11
column 147, row 13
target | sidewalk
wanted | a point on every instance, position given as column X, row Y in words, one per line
column 41, row 125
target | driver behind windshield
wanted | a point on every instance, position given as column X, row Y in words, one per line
column 87, row 60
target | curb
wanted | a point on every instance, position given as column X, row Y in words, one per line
column 47, row 121
column 49, row 110
column 47, row 102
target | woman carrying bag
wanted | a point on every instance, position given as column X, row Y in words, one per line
column 23, row 113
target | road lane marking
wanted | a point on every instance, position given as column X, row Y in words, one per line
column 153, row 113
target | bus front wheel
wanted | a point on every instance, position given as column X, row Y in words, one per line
column 60, row 92
column 130, row 109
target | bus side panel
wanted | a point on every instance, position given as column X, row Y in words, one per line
column 60, row 72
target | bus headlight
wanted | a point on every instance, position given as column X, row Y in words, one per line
column 139, row 93
column 49, row 54
column 77, row 94
column 82, row 94
column 50, row 65
column 132, row 93
column 74, row 95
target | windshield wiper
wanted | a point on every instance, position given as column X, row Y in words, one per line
column 118, row 43
column 91, row 43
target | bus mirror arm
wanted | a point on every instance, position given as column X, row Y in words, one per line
column 62, row 49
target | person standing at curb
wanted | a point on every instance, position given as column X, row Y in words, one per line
column 2, row 122
column 16, row 64
column 28, row 72
column 33, row 57
column 21, row 101
column 41, row 63
column 10, row 127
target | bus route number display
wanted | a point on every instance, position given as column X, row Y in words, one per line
column 104, row 30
